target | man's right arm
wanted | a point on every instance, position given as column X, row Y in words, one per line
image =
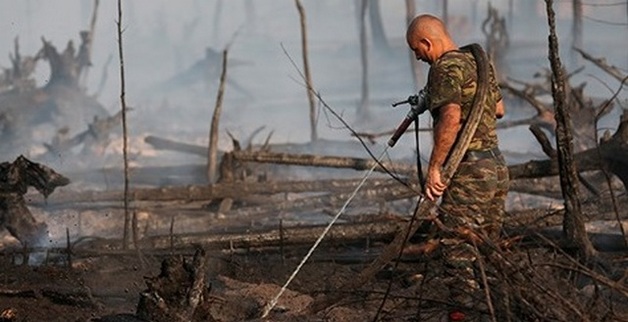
column 445, row 133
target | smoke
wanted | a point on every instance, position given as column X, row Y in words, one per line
column 163, row 39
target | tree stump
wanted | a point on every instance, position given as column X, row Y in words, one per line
column 15, row 178
column 177, row 292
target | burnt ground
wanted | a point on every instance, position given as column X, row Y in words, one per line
column 530, row 280
column 107, row 288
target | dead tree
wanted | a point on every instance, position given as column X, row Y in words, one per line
column 60, row 103
column 212, row 155
column 87, row 42
column 580, row 107
column 497, row 40
column 19, row 77
column 380, row 42
column 64, row 66
column 363, row 108
column 125, row 138
column 573, row 224
column 306, row 72
column 576, row 27
column 613, row 150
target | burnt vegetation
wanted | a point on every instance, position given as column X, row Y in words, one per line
column 219, row 239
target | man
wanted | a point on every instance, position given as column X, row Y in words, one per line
column 475, row 196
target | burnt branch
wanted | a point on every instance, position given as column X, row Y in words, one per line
column 602, row 64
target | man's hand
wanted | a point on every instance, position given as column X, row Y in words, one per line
column 500, row 110
column 434, row 186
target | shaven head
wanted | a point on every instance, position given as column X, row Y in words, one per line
column 428, row 37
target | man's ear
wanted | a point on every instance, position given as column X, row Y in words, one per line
column 427, row 43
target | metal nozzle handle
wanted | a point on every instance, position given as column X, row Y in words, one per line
column 400, row 130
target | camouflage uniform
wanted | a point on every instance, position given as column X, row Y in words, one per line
column 476, row 194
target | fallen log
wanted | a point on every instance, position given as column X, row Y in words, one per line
column 166, row 144
column 67, row 296
column 322, row 161
column 614, row 150
column 245, row 238
column 215, row 191
column 604, row 234
column 335, row 200
column 601, row 227
column 320, row 146
column 240, row 190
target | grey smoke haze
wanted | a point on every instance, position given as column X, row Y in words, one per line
column 163, row 38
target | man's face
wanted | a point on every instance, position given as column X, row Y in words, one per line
column 420, row 49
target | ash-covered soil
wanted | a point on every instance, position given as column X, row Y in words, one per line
column 108, row 288
column 239, row 284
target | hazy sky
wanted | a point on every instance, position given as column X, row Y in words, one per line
column 164, row 37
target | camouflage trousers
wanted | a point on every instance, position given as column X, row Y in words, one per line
column 475, row 199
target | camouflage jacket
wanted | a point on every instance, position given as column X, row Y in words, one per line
column 453, row 79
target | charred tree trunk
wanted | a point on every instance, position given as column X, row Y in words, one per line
column 306, row 71
column 212, row 151
column 177, row 292
column 125, row 139
column 320, row 161
column 350, row 233
column 363, row 109
column 85, row 52
column 235, row 190
column 497, row 42
column 573, row 222
column 576, row 27
column 616, row 156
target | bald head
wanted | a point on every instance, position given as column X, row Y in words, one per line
column 428, row 37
